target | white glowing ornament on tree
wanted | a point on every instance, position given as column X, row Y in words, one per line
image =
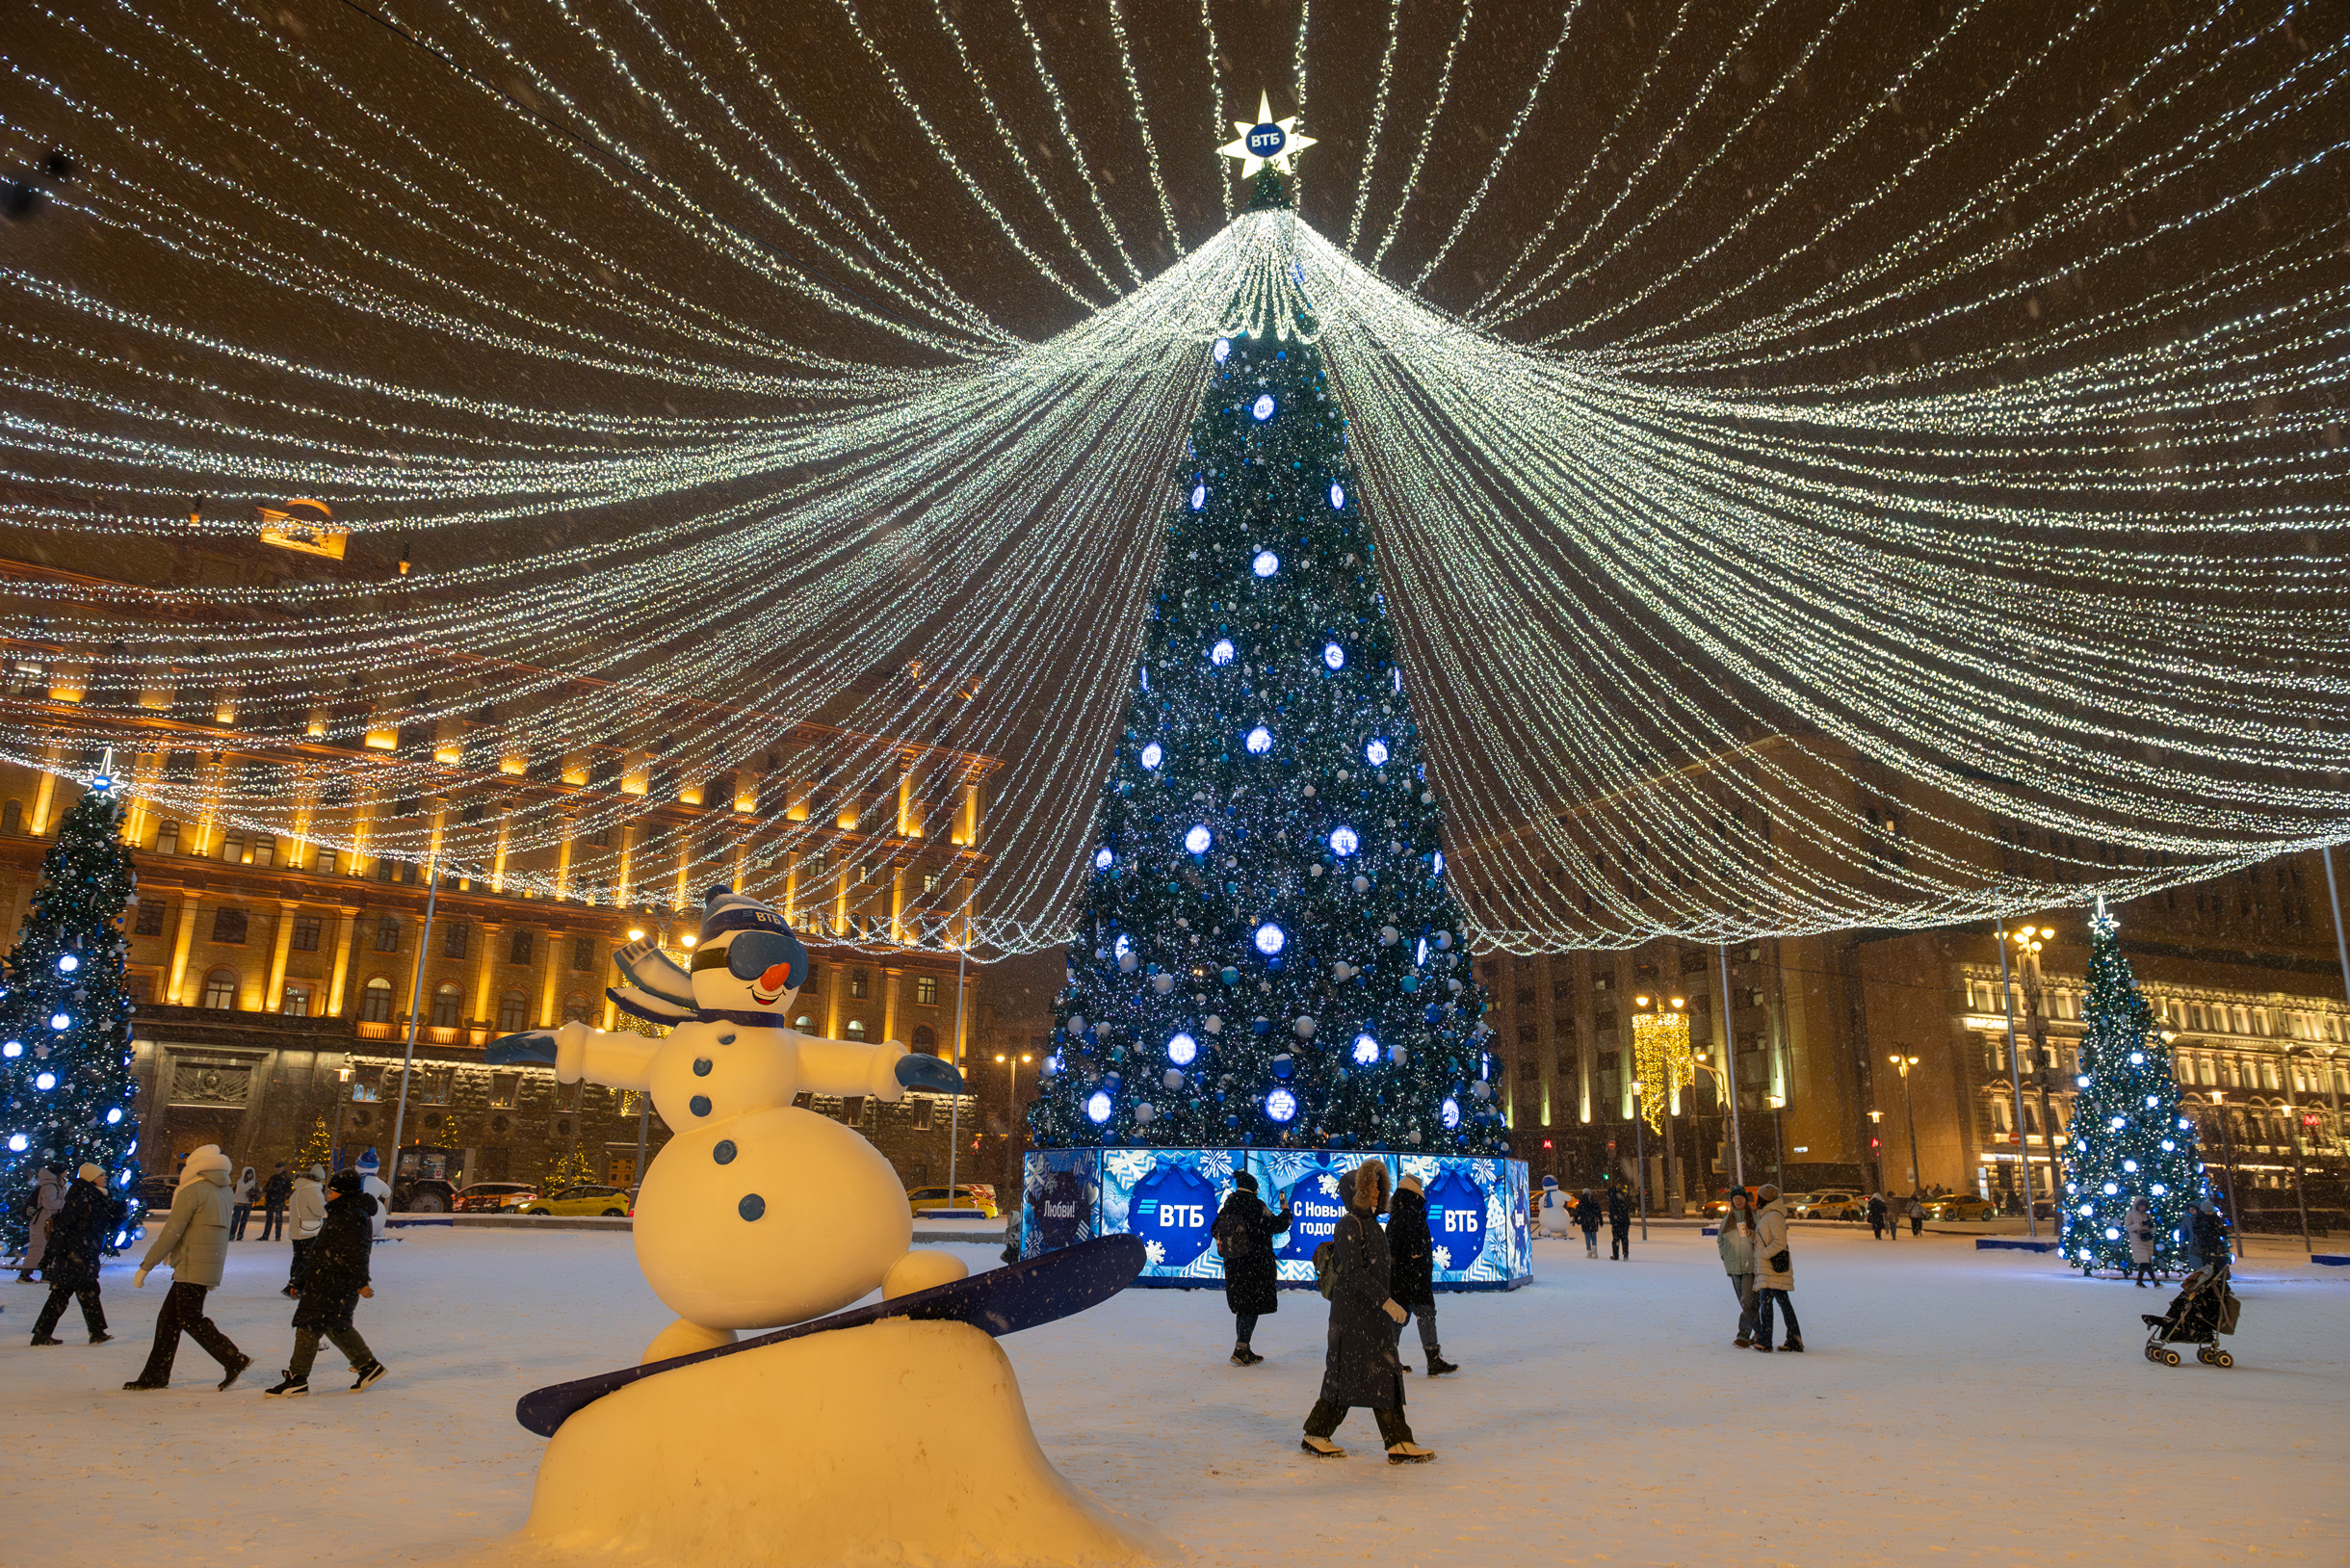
column 1265, row 563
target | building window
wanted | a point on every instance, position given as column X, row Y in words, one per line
column 232, row 847
column 925, row 990
column 265, row 850
column 816, row 972
column 583, row 953
column 856, row 1029
column 513, row 1013
column 167, row 839
column 518, row 950
column 860, row 984
column 228, row 925
column 220, row 989
column 12, row 816
column 296, row 1002
column 502, row 1090
column 305, row 933
column 926, row 1039
column 447, row 1006
column 929, row 882
column 150, row 918
column 387, row 934
column 325, row 861
column 376, row 1001
column 458, row 939
column 575, row 1007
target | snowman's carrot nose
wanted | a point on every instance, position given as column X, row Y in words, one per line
column 775, row 977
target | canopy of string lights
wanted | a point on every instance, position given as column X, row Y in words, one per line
column 1812, row 451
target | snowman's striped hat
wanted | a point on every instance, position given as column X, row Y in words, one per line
column 725, row 910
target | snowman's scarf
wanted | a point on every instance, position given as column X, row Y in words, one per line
column 671, row 1018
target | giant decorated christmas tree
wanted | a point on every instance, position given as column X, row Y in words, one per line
column 2127, row 1138
column 1269, row 954
column 67, row 1094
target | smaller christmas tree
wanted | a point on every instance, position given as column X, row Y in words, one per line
column 317, row 1149
column 67, row 1094
column 570, row 1168
column 2129, row 1138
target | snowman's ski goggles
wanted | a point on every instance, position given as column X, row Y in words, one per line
column 752, row 953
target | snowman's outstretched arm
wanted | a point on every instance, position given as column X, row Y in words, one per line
column 577, row 1051
column 884, row 1071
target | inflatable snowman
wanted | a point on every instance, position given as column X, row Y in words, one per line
column 756, row 1213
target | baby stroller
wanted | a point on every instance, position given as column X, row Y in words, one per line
column 2204, row 1308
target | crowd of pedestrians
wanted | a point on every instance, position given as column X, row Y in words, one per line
column 332, row 1239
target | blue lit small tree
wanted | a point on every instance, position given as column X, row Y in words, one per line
column 2129, row 1138
column 67, row 1093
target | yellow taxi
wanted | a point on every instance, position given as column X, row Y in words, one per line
column 978, row 1195
column 610, row 1202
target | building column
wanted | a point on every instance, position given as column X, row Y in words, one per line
column 549, row 973
column 344, row 928
column 791, row 888
column 891, row 979
column 189, row 902
column 897, row 905
column 833, row 1001
column 484, row 973
column 628, row 846
column 44, row 793
column 273, row 995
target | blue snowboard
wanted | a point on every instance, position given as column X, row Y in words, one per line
column 1004, row 1300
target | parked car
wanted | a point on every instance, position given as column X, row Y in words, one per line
column 1833, row 1206
column 610, row 1202
column 979, row 1195
column 1716, row 1207
column 492, row 1197
column 1960, row 1206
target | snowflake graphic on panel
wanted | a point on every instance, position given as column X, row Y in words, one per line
column 1156, row 1253
column 1215, row 1167
column 1443, row 1257
column 1329, row 1186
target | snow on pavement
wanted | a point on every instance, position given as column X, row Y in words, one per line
column 1953, row 1406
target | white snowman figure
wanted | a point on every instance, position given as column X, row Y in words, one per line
column 756, row 1213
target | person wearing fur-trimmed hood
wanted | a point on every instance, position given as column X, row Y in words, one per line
column 194, row 1242
column 1362, row 1367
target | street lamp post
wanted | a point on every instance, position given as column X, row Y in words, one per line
column 1640, row 1157
column 1011, row 1116
column 2227, row 1143
column 1777, row 1133
column 1723, row 1086
column 2028, row 943
column 2292, row 1128
column 1876, row 1124
column 1909, row 1108
column 1730, row 1073
column 2014, row 1070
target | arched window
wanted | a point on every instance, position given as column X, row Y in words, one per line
column 804, row 1022
column 447, row 1006
column 12, row 816
column 575, row 1007
column 376, row 1001
column 220, row 989
column 856, row 1029
column 513, row 1013
column 926, row 1039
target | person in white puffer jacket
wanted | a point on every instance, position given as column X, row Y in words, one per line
column 193, row 1244
column 306, row 1213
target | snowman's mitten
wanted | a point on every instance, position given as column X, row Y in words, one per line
column 931, row 1074
column 531, row 1045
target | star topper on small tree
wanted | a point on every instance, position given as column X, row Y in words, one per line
column 1269, row 142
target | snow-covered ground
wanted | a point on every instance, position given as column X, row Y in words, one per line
column 1953, row 1405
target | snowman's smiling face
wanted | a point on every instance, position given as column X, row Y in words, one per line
column 759, row 970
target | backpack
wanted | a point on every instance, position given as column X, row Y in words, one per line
column 1326, row 1271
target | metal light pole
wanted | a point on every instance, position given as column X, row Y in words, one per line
column 2292, row 1127
column 1012, row 1114
column 2227, row 1143
column 1639, row 1158
column 2027, row 953
column 1778, row 1128
column 1730, row 1062
column 416, row 990
column 1876, row 1124
column 954, row 1107
column 1909, row 1108
column 2015, row 1069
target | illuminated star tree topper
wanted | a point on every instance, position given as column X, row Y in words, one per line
column 1268, row 141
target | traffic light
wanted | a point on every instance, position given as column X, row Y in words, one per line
column 1876, row 1143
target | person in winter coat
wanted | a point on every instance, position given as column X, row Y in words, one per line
column 2209, row 1235
column 1619, row 1225
column 309, row 1213
column 1774, row 1271
column 273, row 1194
column 332, row 1289
column 1876, row 1216
column 1362, row 1367
column 48, row 1197
column 1736, row 1244
column 1245, row 1232
column 1413, row 1277
column 1917, row 1215
column 195, row 1243
column 241, row 1202
column 1588, row 1213
column 77, row 1245
column 2138, row 1229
